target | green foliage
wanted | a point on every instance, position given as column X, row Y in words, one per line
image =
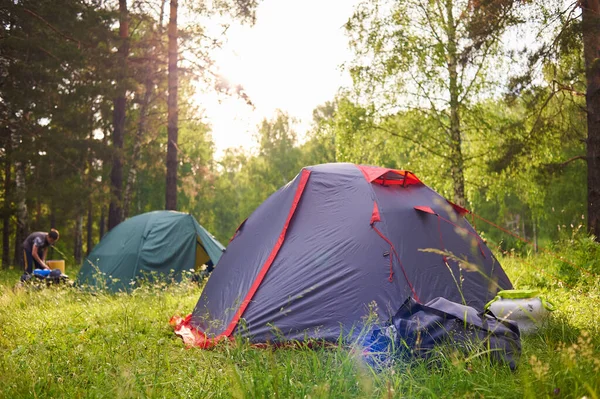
column 242, row 182
column 277, row 155
column 321, row 138
column 352, row 125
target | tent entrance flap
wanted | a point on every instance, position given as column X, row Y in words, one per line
column 201, row 256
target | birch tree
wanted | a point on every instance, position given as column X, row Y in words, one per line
column 435, row 56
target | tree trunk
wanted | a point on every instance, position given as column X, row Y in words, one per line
column 52, row 218
column 137, row 143
column 535, row 236
column 162, row 16
column 457, row 161
column 90, row 183
column 22, row 214
column 172, row 114
column 38, row 213
column 36, row 204
column 591, row 49
column 78, row 243
column 90, row 222
column 116, row 176
column 52, row 213
column 102, row 221
column 7, row 198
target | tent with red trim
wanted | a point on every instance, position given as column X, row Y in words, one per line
column 336, row 243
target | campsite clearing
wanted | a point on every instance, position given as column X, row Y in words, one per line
column 61, row 342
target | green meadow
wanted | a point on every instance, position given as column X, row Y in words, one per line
column 60, row 342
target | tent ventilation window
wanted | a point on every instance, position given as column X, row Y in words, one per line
column 390, row 178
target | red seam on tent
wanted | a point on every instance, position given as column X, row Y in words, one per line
column 412, row 289
column 269, row 262
column 461, row 211
column 375, row 215
column 391, row 277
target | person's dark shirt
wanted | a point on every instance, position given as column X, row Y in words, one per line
column 38, row 238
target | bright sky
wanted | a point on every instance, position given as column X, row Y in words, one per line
column 289, row 60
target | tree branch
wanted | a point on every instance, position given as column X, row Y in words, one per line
column 539, row 115
column 568, row 89
column 479, row 68
column 568, row 161
column 556, row 167
column 431, row 27
column 28, row 11
column 409, row 138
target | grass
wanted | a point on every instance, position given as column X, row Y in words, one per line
column 61, row 342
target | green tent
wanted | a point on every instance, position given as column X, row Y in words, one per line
column 160, row 243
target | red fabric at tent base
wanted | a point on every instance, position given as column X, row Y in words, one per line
column 190, row 335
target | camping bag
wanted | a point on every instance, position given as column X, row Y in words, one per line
column 416, row 329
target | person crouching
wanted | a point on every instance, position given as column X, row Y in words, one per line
column 35, row 249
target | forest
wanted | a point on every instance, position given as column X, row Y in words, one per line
column 494, row 104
